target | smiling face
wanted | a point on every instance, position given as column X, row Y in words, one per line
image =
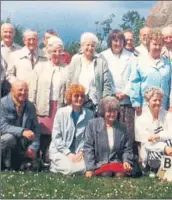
column 78, row 100
column 155, row 103
column 7, row 33
column 129, row 37
column 155, row 48
column 20, row 91
column 117, row 46
column 144, row 35
column 168, row 41
column 56, row 53
column 110, row 116
column 88, row 48
column 31, row 41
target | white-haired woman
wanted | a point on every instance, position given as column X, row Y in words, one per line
column 154, row 128
column 47, row 88
column 91, row 71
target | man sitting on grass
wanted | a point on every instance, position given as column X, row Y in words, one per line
column 19, row 127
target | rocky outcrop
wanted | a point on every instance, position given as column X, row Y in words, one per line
column 160, row 15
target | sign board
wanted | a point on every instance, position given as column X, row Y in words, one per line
column 166, row 163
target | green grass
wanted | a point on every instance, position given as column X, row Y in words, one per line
column 47, row 185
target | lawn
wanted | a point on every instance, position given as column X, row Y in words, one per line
column 47, row 185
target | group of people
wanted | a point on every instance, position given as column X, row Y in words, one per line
column 92, row 113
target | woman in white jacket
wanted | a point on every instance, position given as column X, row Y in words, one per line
column 47, row 88
column 154, row 127
column 121, row 63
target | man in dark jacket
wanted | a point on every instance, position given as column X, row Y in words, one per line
column 19, row 126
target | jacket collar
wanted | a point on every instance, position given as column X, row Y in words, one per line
column 149, row 116
column 125, row 55
column 11, row 104
column 3, row 45
column 25, row 52
column 102, row 132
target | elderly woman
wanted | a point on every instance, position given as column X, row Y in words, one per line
column 66, row 148
column 152, row 70
column 106, row 139
column 47, row 89
column 154, row 127
column 91, row 71
column 120, row 63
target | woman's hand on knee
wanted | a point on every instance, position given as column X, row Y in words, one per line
column 127, row 166
column 79, row 156
column 88, row 174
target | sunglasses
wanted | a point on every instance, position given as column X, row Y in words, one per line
column 79, row 95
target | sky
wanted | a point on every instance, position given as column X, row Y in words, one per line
column 69, row 18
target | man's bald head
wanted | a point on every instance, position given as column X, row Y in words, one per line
column 19, row 90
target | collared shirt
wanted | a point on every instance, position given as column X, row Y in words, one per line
column 6, row 51
column 167, row 53
column 19, row 106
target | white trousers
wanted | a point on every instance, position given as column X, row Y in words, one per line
column 61, row 163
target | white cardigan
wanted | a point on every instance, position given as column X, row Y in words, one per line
column 144, row 125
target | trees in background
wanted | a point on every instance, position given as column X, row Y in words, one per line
column 72, row 47
column 133, row 21
column 104, row 27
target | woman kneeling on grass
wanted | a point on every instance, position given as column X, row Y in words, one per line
column 66, row 148
column 107, row 142
column 154, row 128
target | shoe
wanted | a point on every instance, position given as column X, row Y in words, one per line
column 152, row 175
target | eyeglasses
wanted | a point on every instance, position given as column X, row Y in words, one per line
column 79, row 95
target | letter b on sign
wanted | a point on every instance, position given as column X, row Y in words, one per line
column 167, row 163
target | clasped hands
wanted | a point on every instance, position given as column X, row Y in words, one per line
column 153, row 138
column 76, row 157
column 120, row 96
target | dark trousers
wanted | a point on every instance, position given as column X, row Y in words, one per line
column 44, row 146
column 5, row 88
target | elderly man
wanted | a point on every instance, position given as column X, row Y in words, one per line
column 129, row 46
column 167, row 49
column 144, row 37
column 7, row 44
column 23, row 61
column 19, row 126
column 65, row 58
column 48, row 34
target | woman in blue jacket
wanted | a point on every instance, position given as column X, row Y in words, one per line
column 151, row 71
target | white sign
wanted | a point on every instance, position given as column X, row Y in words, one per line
column 166, row 163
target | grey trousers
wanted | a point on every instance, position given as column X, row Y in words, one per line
column 8, row 141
